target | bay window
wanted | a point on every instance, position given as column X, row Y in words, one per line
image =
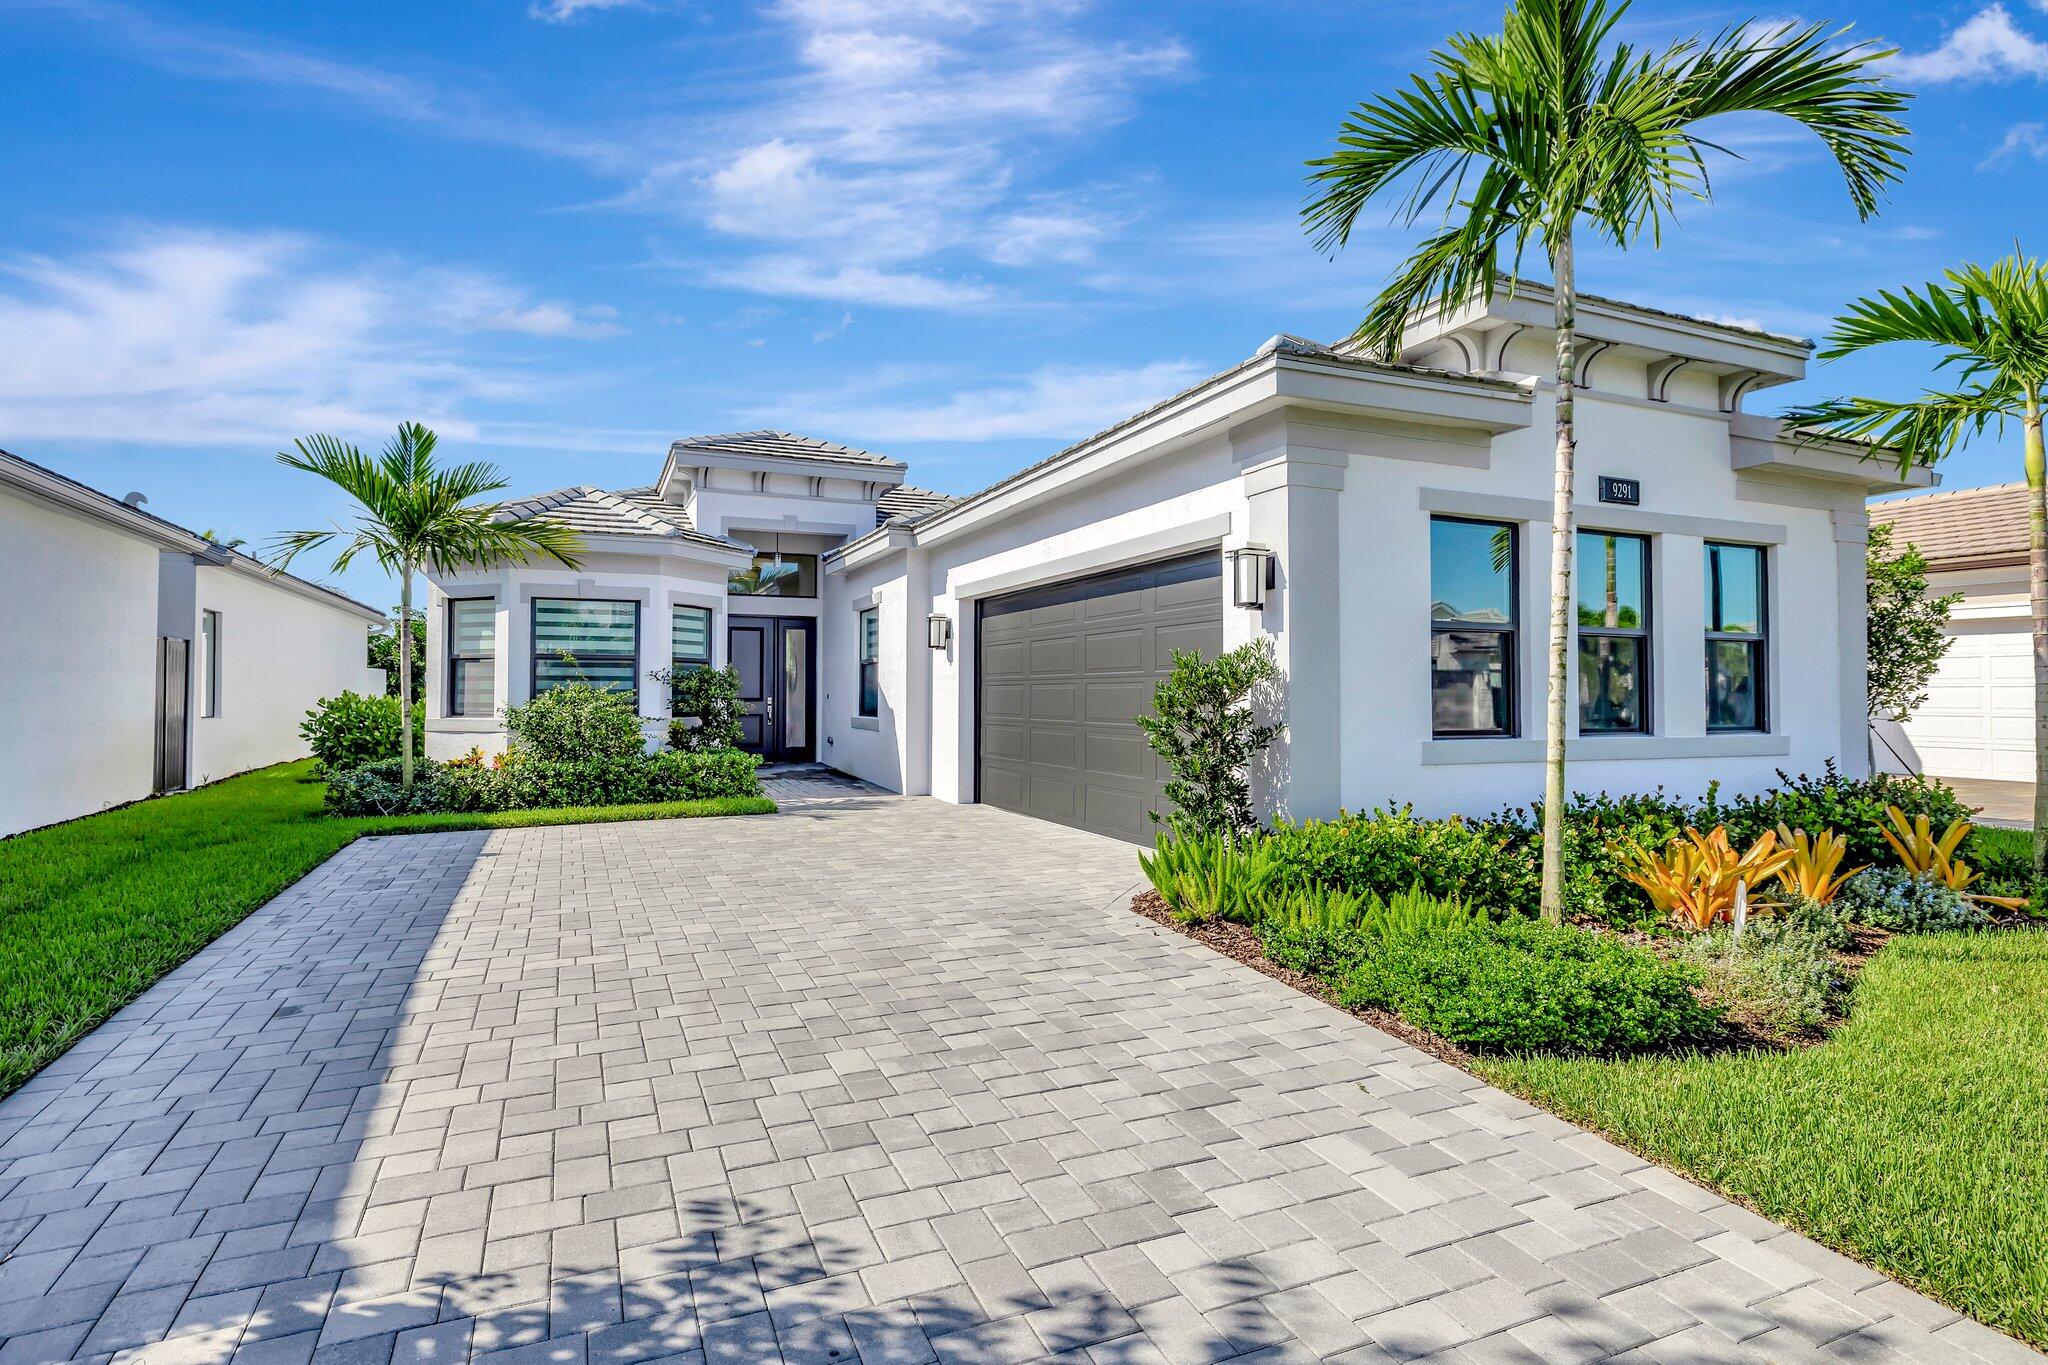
column 593, row 642
column 689, row 639
column 472, row 656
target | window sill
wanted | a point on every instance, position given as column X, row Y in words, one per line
column 868, row 723
column 1599, row 748
column 464, row 725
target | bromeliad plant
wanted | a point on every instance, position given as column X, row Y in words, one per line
column 1810, row 870
column 1697, row 878
column 1924, row 855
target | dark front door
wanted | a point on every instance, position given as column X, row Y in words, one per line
column 1065, row 670
column 173, row 658
column 776, row 658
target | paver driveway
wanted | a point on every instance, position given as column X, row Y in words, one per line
column 873, row 1078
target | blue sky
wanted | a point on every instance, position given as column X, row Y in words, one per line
column 962, row 232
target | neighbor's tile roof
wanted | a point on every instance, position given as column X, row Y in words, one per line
column 593, row 511
column 780, row 445
column 904, row 503
column 1967, row 526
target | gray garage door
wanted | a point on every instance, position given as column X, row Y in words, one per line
column 1066, row 668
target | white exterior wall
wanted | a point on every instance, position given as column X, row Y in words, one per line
column 279, row 653
column 875, row 749
column 78, row 701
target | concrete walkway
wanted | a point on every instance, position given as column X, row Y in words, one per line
column 874, row 1079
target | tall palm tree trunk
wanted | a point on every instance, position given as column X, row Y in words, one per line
column 1566, row 320
column 2037, row 583
column 405, row 677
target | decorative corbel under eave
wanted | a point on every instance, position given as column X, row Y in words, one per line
column 1735, row 386
column 1660, row 373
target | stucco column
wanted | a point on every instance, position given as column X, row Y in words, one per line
column 1292, row 497
column 1852, row 610
column 915, row 719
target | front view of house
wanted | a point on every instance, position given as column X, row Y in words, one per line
column 1386, row 526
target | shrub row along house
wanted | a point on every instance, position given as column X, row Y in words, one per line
column 1386, row 525
column 146, row 658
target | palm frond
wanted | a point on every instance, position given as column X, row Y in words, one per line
column 1917, row 432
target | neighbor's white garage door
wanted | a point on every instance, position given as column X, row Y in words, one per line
column 1978, row 720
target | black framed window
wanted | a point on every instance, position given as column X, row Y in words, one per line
column 870, row 623
column 1473, row 571
column 776, row 575
column 472, row 656
column 209, row 663
column 689, row 638
column 593, row 642
column 1613, row 576
column 1738, row 659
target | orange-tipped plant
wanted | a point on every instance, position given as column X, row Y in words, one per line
column 1694, row 879
column 1811, row 864
column 1923, row 855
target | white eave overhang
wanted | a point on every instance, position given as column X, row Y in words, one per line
column 1277, row 378
column 1759, row 446
column 688, row 459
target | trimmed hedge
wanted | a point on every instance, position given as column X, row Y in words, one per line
column 533, row 784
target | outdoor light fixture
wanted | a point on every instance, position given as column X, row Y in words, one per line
column 1251, row 576
column 939, row 630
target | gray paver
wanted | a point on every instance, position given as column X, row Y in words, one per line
column 875, row 1079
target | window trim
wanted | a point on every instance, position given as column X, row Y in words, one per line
column 452, row 703
column 1641, row 633
column 1511, row 681
column 534, row 650
column 1759, row 640
column 209, row 677
column 867, row 662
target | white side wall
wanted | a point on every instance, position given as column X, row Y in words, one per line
column 279, row 653
column 78, row 696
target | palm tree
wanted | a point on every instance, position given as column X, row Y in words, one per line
column 1991, row 325
column 415, row 515
column 1521, row 136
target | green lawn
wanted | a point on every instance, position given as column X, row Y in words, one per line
column 93, row 911
column 1916, row 1139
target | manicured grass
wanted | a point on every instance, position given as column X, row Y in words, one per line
column 1915, row 1139
column 92, row 912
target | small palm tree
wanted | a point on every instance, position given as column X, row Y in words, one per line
column 1521, row 138
column 415, row 515
column 1991, row 325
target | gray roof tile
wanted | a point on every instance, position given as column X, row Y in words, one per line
column 781, row 445
column 1967, row 525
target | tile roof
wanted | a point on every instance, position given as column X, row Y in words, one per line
column 781, row 445
column 1968, row 526
column 593, row 511
column 905, row 503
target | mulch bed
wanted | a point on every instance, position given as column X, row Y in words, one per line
column 1240, row 944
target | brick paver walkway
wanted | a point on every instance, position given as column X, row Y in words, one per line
column 872, row 1079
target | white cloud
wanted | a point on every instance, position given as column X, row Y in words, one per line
column 1056, row 402
column 562, row 11
column 804, row 278
column 1988, row 46
column 2022, row 139
column 183, row 336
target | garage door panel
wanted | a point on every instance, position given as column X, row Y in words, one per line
column 1978, row 719
column 1088, row 654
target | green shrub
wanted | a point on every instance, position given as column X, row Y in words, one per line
column 1526, row 986
column 1893, row 898
column 1390, row 851
column 707, row 708
column 350, row 730
column 1776, row 975
column 1211, row 876
column 1598, row 829
column 1331, row 933
column 575, row 723
column 1203, row 728
column 2005, row 857
column 1853, row 807
column 535, row 784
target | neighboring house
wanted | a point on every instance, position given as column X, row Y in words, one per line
column 1978, row 719
column 1385, row 525
column 144, row 658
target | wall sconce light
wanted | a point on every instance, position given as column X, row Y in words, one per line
column 1252, row 575
column 939, row 630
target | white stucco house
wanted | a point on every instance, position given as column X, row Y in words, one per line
column 1385, row 525
column 1978, row 719
column 145, row 658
